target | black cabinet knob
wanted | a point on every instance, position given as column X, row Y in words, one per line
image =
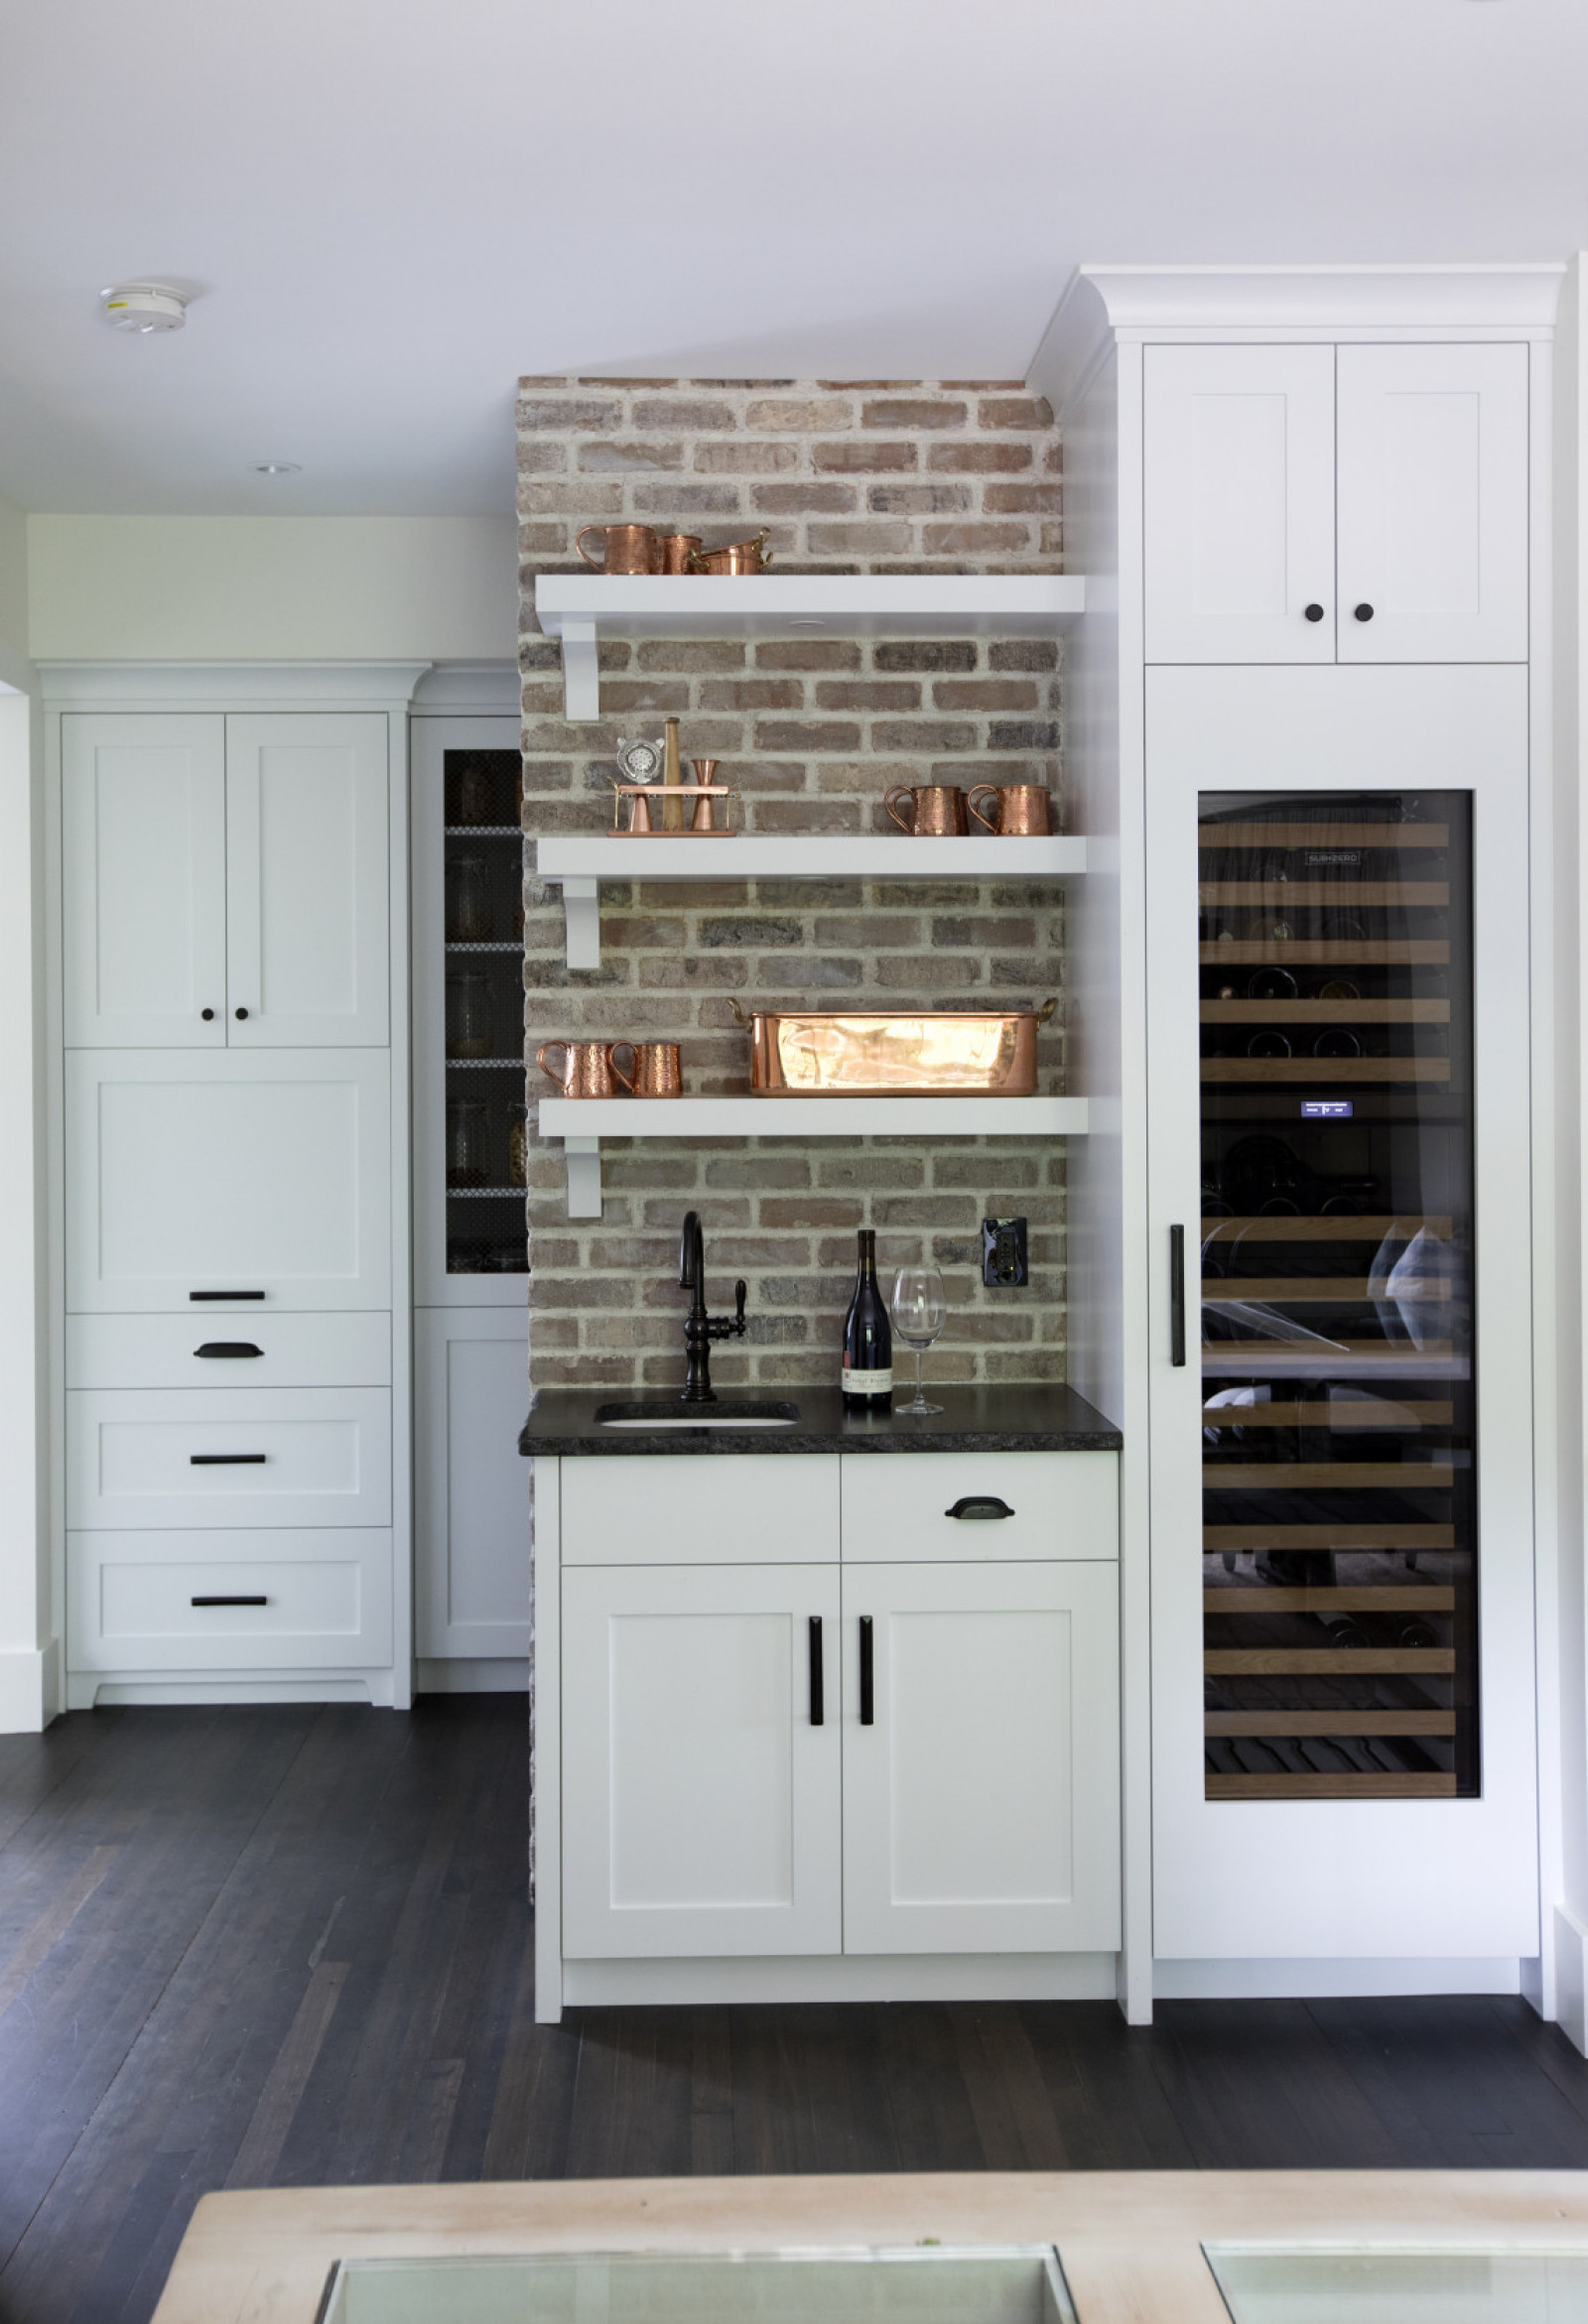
column 242, row 1012
column 207, row 1014
column 1313, row 612
column 1364, row 612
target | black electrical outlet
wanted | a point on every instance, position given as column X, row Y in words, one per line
column 1003, row 1253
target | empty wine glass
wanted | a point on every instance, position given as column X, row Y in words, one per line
column 919, row 1311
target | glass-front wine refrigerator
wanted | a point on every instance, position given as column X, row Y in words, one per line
column 1334, row 1280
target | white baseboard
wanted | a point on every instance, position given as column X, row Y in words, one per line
column 85, row 1692
column 1309, row 1981
column 28, row 1689
column 893, row 1977
column 473, row 1675
column 1571, row 1978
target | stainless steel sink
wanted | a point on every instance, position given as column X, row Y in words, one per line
column 668, row 1412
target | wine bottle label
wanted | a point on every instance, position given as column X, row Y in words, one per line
column 867, row 1383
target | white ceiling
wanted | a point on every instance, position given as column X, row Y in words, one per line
column 389, row 209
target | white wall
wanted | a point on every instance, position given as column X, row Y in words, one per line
column 13, row 594
column 1565, row 1836
column 291, row 588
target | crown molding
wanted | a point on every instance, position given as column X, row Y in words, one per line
column 451, row 688
column 1100, row 304
column 232, row 686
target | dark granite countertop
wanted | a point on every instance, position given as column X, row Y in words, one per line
column 1014, row 1418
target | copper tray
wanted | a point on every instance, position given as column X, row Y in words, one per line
column 843, row 1053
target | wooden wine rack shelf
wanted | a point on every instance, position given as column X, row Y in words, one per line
column 1300, row 1476
column 1335, row 1597
column 1326, row 894
column 1351, row 1071
column 1308, row 1290
column 1411, row 1785
column 1325, row 951
column 1300, row 1722
column 1329, row 1662
column 1350, row 1416
column 1286, row 1226
column 1324, row 838
column 1323, row 1534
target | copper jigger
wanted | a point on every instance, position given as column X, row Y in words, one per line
column 629, row 548
column 658, row 1071
column 677, row 550
column 1018, row 808
column 937, row 810
column 705, row 772
column 587, row 1069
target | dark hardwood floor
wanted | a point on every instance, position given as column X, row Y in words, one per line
column 289, row 1946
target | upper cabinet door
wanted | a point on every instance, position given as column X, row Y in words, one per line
column 307, row 896
column 1433, row 504
column 144, row 809
column 1240, row 504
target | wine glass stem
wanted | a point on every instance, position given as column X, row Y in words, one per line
column 920, row 1393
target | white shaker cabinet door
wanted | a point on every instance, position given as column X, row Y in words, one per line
column 1238, row 506
column 471, row 1503
column 307, row 870
column 229, row 1181
column 981, row 1797
column 1434, row 503
column 144, row 832
column 700, row 1796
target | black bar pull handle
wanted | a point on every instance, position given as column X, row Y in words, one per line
column 225, row 1295
column 229, row 1601
column 868, row 1674
column 228, row 1347
column 818, row 1705
column 980, row 1504
column 1177, row 1295
column 225, row 1460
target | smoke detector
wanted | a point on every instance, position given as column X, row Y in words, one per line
column 144, row 307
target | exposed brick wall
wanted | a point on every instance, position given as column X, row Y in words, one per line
column 886, row 476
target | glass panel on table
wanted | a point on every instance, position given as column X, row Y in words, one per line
column 483, row 924
column 1339, row 1516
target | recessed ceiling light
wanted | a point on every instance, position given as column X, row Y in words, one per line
column 143, row 307
column 278, row 467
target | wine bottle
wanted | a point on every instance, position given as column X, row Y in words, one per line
column 868, row 1377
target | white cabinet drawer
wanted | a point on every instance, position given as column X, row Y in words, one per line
column 230, row 1351
column 176, row 1456
column 268, row 1174
column 275, row 1600
column 721, row 1510
column 896, row 1507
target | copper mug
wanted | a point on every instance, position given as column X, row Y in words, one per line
column 587, row 1071
column 658, row 1071
column 677, row 551
column 629, row 548
column 1018, row 808
column 735, row 557
column 937, row 810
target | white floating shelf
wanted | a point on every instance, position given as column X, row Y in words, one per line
column 578, row 865
column 581, row 1124
column 580, row 607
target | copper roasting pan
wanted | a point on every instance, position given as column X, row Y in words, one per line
column 818, row 1053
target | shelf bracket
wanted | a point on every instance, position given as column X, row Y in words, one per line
column 584, row 1156
column 582, row 909
column 581, row 689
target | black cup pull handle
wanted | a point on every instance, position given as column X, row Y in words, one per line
column 818, row 1706
column 225, row 1460
column 215, row 1348
column 225, row 1295
column 868, row 1674
column 238, row 1601
column 980, row 1504
column 1177, row 1295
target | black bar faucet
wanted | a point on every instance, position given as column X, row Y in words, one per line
column 700, row 1329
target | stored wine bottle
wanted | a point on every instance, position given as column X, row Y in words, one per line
column 868, row 1381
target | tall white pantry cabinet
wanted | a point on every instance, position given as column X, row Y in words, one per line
column 1308, row 717
column 230, row 1236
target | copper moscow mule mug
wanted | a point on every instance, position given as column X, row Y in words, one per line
column 629, row 548
column 587, row 1067
column 1018, row 808
column 937, row 810
column 658, row 1071
column 677, row 550
column 736, row 556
